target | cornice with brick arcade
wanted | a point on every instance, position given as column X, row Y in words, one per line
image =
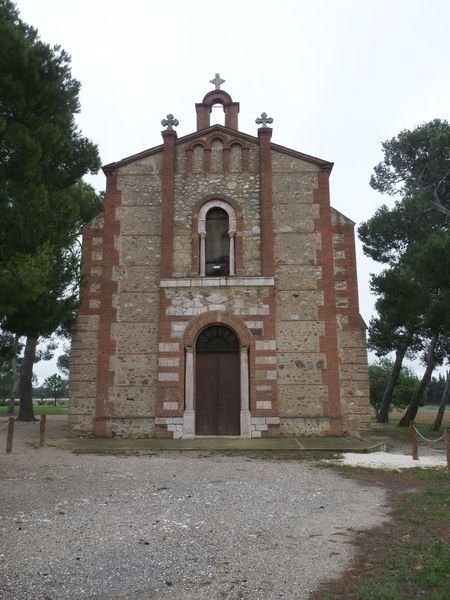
column 228, row 142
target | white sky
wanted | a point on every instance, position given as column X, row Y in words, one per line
column 337, row 76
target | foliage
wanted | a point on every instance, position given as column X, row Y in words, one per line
column 43, row 200
column 64, row 362
column 56, row 387
column 379, row 374
column 435, row 389
column 417, row 165
column 8, row 350
column 413, row 240
column 42, row 158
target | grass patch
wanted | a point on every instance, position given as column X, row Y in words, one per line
column 313, row 455
column 425, row 417
column 410, row 556
column 403, row 433
column 40, row 409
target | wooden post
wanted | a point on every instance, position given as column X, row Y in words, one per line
column 447, row 444
column 42, row 430
column 414, row 446
column 9, row 437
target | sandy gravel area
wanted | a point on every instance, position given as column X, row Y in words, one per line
column 172, row 525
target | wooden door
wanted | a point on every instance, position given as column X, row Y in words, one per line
column 217, row 388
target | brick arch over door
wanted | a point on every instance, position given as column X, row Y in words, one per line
column 192, row 331
column 198, row 229
column 214, row 317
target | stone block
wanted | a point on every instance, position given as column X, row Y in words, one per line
column 137, row 307
column 296, row 248
column 295, row 217
column 131, row 428
column 298, row 305
column 169, row 346
column 141, row 168
column 139, row 220
column 266, row 345
column 139, row 400
column 168, row 376
column 298, row 368
column 139, row 250
column 263, row 404
column 168, row 362
column 308, row 427
column 135, row 338
column 297, row 277
column 306, row 400
column 135, row 369
column 301, row 336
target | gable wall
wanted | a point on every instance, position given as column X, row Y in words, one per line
column 308, row 323
column 204, row 182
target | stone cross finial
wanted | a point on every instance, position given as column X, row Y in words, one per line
column 264, row 120
column 217, row 81
column 170, row 122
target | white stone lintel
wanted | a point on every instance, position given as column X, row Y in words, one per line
column 216, row 281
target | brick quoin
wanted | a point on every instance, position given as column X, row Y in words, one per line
column 108, row 315
column 327, row 312
column 265, row 157
column 168, row 186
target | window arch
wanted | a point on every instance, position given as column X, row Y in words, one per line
column 217, row 230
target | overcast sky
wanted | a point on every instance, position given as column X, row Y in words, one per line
column 337, row 76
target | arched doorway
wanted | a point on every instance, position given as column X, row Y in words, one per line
column 217, row 382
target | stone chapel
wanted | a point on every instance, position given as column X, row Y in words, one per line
column 221, row 293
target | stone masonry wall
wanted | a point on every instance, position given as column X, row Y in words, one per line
column 191, row 189
column 300, row 362
column 300, row 382
column 132, row 397
column 84, row 349
column 250, row 302
column 353, row 372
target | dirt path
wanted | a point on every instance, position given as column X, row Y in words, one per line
column 172, row 525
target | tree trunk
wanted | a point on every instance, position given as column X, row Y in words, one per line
column 443, row 403
column 383, row 411
column 15, row 378
column 413, row 406
column 26, row 412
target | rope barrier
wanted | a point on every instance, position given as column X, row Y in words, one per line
column 4, row 426
column 427, row 439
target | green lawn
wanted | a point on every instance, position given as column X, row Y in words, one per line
column 41, row 409
column 424, row 420
column 409, row 557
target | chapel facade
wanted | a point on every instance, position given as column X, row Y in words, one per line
column 221, row 293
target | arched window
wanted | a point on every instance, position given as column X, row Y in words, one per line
column 217, row 243
column 216, row 229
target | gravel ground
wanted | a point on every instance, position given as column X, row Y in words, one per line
column 180, row 526
column 388, row 460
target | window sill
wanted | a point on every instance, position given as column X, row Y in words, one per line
column 217, row 281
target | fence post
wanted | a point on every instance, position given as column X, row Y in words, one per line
column 447, row 444
column 9, row 437
column 42, row 430
column 414, row 446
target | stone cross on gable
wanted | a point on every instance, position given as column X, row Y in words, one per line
column 170, row 122
column 217, row 81
column 264, row 120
